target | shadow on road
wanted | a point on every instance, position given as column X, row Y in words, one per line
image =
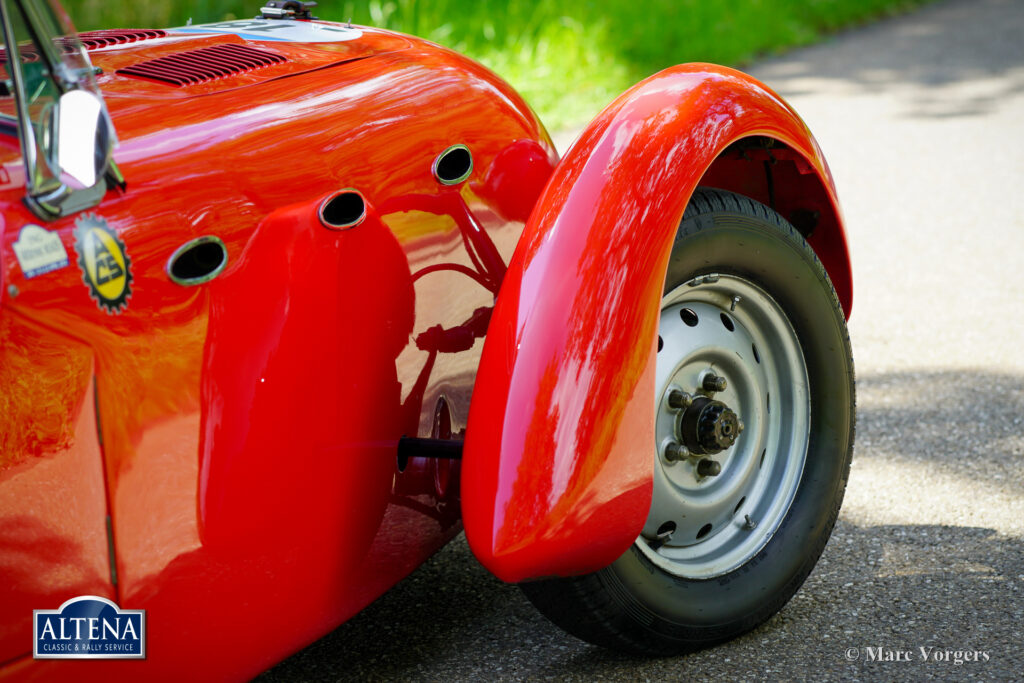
column 896, row 586
column 880, row 585
column 966, row 423
column 966, row 44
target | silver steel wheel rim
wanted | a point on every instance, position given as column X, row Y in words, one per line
column 702, row 527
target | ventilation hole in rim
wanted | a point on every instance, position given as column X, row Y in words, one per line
column 739, row 505
column 667, row 528
column 727, row 321
column 762, row 458
column 689, row 317
column 768, row 402
column 453, row 165
column 704, row 531
column 344, row 210
column 661, row 343
column 198, row 261
column 757, row 356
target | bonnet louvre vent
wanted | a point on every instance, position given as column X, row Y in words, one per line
column 197, row 66
column 93, row 40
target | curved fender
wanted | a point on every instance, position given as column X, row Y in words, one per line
column 559, row 448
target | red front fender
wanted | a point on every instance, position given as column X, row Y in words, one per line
column 559, row 448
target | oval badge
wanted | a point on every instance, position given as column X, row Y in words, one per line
column 106, row 268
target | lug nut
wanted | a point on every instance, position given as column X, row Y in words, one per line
column 709, row 468
column 739, row 426
column 713, row 382
column 675, row 452
column 679, row 400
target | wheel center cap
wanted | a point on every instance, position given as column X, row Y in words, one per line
column 708, row 426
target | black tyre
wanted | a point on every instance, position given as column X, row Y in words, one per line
column 754, row 427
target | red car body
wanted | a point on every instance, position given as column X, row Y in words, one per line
column 223, row 455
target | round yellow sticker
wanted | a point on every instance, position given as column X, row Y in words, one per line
column 106, row 268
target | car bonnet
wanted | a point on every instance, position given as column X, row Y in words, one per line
column 210, row 58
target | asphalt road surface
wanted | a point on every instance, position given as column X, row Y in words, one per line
column 922, row 120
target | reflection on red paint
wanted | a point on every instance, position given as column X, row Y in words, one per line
column 250, row 424
column 241, row 434
column 558, row 457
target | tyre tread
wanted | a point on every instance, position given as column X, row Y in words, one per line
column 586, row 606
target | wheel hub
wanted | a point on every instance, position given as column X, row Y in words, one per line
column 708, row 426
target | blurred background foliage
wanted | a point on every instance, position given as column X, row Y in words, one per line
column 567, row 57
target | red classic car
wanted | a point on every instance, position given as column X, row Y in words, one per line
column 285, row 304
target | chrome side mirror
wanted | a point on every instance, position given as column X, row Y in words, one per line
column 85, row 140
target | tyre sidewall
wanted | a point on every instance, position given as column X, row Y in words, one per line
column 768, row 252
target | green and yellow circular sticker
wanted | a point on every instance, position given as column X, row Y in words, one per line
column 106, row 268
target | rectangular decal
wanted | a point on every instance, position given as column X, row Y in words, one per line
column 39, row 251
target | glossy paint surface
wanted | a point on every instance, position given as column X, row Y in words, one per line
column 249, row 425
column 52, row 501
column 557, row 470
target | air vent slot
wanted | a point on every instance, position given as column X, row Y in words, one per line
column 93, row 40
column 27, row 54
column 208, row 63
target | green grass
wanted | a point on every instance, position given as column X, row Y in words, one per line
column 567, row 57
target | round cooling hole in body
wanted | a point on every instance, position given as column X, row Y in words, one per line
column 197, row 261
column 453, row 165
column 343, row 210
